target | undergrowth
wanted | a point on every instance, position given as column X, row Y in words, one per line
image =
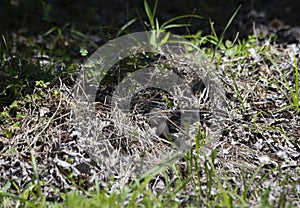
column 203, row 182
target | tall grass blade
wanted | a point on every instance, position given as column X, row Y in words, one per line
column 151, row 14
column 224, row 31
column 247, row 186
column 296, row 97
column 166, row 23
column 130, row 22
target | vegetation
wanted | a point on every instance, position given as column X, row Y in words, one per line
column 42, row 162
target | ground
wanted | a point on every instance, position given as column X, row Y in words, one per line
column 49, row 158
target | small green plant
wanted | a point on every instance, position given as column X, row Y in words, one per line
column 42, row 84
column 214, row 39
column 219, row 40
column 31, row 196
column 238, row 92
column 20, row 77
column 157, row 29
column 155, row 25
column 83, row 52
column 294, row 92
column 9, row 118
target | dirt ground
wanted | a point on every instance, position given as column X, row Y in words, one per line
column 245, row 141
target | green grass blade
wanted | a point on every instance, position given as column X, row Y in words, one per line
column 224, row 31
column 130, row 22
column 294, row 100
column 296, row 97
column 157, row 27
column 149, row 14
column 247, row 186
column 34, row 166
column 211, row 24
column 166, row 23
column 176, row 25
column 80, row 34
column 237, row 91
column 155, row 8
column 165, row 39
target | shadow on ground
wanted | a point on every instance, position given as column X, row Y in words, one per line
column 108, row 16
